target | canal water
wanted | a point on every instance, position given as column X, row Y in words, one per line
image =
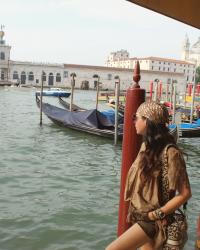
column 59, row 189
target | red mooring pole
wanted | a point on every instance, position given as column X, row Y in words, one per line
column 190, row 89
column 131, row 142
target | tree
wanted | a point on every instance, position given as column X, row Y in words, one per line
column 197, row 77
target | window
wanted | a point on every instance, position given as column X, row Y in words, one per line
column 174, row 70
column 163, row 68
column 44, row 77
column 37, row 80
column 2, row 75
column 58, row 77
column 15, row 75
column 65, row 74
column 30, row 76
column 2, row 56
column 168, row 69
column 109, row 76
column 152, row 68
column 159, row 68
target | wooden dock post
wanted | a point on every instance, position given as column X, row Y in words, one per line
column 73, row 75
column 192, row 103
column 117, row 91
column 96, row 79
column 41, row 95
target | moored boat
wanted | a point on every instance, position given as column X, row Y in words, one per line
column 57, row 92
column 190, row 129
column 89, row 121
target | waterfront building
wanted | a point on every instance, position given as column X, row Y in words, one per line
column 121, row 59
column 58, row 75
column 191, row 54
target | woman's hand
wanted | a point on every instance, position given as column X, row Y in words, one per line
column 151, row 216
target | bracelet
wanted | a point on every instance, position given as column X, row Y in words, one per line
column 159, row 214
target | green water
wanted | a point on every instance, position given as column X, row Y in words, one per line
column 59, row 188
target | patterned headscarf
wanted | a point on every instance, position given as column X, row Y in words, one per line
column 155, row 112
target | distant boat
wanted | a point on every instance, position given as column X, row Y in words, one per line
column 107, row 95
column 57, row 92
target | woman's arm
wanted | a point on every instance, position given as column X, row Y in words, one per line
column 178, row 180
column 174, row 203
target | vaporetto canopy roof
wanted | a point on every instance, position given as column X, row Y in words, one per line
column 186, row 11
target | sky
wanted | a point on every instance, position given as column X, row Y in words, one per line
column 86, row 31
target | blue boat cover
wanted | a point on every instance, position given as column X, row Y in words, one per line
column 189, row 125
column 91, row 118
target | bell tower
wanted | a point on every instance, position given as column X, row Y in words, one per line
column 4, row 57
column 185, row 52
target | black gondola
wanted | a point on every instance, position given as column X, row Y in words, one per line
column 172, row 127
column 89, row 121
column 190, row 130
column 66, row 105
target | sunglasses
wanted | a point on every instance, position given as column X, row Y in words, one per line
column 135, row 117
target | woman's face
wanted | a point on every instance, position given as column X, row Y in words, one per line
column 140, row 125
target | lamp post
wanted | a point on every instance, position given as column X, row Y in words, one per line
column 96, row 80
column 117, row 90
column 73, row 75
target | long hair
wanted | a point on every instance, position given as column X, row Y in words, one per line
column 157, row 136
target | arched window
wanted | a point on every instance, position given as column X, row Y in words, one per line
column 51, row 79
column 2, row 56
column 44, row 77
column 30, row 76
column 15, row 75
column 58, row 77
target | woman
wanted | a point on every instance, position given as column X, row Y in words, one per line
column 148, row 213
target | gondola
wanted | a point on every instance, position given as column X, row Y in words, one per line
column 190, row 129
column 172, row 127
column 66, row 105
column 89, row 121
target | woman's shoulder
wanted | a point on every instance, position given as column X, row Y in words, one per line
column 171, row 148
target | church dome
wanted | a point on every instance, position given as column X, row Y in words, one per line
column 196, row 47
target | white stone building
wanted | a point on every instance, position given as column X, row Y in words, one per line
column 29, row 73
column 191, row 54
column 121, row 59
